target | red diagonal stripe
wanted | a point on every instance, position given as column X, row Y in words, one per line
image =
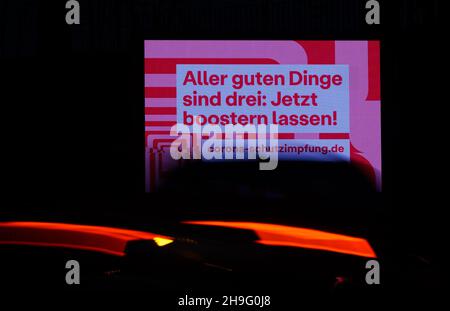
column 160, row 110
column 374, row 70
column 286, row 136
column 319, row 52
column 169, row 65
column 160, row 123
column 334, row 136
column 160, row 92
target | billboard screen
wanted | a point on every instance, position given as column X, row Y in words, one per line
column 317, row 101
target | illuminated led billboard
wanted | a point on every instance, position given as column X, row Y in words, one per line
column 321, row 99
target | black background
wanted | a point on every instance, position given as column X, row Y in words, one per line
column 72, row 100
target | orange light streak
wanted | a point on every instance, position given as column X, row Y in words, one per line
column 280, row 235
column 92, row 238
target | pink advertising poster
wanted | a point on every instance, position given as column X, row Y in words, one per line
column 324, row 97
